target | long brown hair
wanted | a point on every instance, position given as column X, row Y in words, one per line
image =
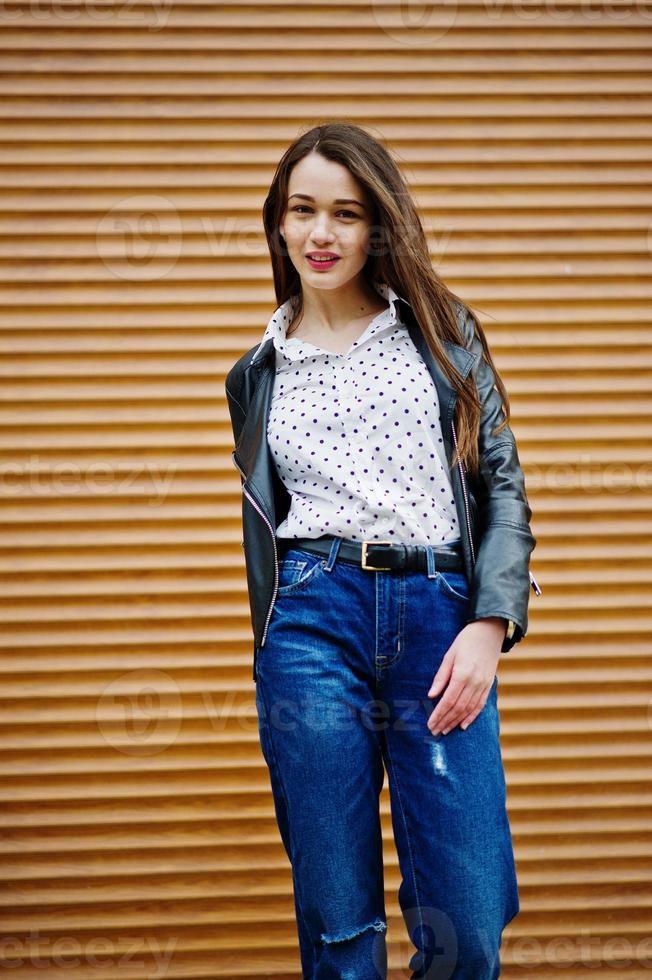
column 398, row 256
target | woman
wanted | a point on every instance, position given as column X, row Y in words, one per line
column 385, row 576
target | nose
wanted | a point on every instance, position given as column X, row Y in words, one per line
column 321, row 231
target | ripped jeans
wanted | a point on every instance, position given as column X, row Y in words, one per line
column 341, row 694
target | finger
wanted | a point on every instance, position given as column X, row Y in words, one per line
column 482, row 699
column 449, row 699
column 450, row 719
column 465, row 704
column 470, row 710
column 442, row 676
column 449, row 722
column 455, row 722
column 474, row 714
column 477, row 702
column 457, row 695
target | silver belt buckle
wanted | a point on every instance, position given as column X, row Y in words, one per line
column 373, row 568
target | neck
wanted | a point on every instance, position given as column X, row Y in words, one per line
column 336, row 309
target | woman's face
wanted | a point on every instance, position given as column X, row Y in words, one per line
column 327, row 213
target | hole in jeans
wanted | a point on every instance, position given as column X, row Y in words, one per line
column 378, row 924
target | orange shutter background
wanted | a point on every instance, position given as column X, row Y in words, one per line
column 138, row 143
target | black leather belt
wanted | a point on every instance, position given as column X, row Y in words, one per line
column 390, row 556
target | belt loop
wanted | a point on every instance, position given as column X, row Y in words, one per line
column 335, row 547
column 431, row 561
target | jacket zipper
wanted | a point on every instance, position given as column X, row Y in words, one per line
column 533, row 581
column 466, row 502
column 258, row 508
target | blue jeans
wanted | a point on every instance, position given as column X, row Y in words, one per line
column 341, row 694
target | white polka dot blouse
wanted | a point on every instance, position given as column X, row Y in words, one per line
column 356, row 437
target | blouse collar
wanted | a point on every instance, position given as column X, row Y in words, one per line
column 278, row 323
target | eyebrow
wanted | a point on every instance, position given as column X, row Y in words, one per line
column 340, row 200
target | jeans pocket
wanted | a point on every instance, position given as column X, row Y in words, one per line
column 297, row 570
column 454, row 584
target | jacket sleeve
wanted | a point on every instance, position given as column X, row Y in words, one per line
column 501, row 581
column 234, row 398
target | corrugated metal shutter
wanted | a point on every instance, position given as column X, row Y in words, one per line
column 137, row 825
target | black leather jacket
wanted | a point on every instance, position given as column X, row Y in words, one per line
column 493, row 509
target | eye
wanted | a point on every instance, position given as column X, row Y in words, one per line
column 304, row 207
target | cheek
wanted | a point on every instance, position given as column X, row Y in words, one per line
column 360, row 239
column 293, row 232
